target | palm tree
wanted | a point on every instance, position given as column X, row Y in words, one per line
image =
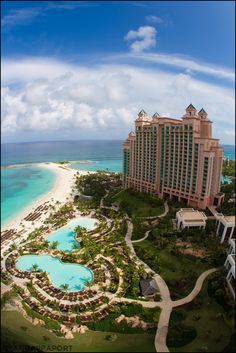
column 54, row 245
column 35, row 267
column 75, row 246
column 64, row 287
column 88, row 284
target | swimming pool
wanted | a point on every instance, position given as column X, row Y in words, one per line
column 65, row 236
column 74, row 275
column 225, row 180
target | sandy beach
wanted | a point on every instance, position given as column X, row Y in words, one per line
column 65, row 179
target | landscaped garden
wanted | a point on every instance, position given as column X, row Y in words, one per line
column 179, row 257
column 207, row 323
column 137, row 204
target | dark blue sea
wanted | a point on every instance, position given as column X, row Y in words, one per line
column 107, row 152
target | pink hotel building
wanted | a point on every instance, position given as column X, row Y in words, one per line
column 176, row 158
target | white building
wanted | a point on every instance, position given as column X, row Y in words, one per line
column 225, row 227
column 188, row 217
column 230, row 265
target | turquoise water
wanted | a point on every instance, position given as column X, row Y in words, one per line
column 66, row 235
column 22, row 185
column 225, row 180
column 60, row 273
column 112, row 165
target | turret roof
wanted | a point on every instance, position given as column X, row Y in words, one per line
column 191, row 107
column 202, row 111
column 156, row 115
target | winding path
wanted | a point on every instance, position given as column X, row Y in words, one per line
column 166, row 304
column 196, row 289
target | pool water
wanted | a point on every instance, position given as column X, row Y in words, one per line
column 65, row 236
column 75, row 275
column 225, row 180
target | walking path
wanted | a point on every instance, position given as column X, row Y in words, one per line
column 196, row 289
column 145, row 237
column 161, row 215
column 166, row 304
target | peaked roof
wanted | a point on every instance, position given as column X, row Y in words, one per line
column 156, row 115
column 190, row 107
column 148, row 286
column 142, row 113
column 202, row 111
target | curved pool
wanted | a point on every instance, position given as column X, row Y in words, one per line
column 65, row 236
column 74, row 275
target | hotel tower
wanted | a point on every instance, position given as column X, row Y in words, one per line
column 175, row 158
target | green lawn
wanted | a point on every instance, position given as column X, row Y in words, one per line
column 13, row 334
column 138, row 204
column 213, row 334
column 179, row 271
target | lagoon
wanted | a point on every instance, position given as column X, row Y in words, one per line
column 74, row 275
column 65, row 236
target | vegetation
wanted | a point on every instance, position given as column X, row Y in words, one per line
column 228, row 206
column 229, row 168
column 60, row 218
column 7, row 296
column 207, row 330
column 90, row 341
column 137, row 204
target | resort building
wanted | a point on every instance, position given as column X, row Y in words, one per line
column 176, row 158
column 230, row 265
column 225, row 227
column 188, row 217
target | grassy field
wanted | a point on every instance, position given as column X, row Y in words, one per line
column 179, row 271
column 213, row 334
column 138, row 204
column 18, row 332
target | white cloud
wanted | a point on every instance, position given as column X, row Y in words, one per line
column 26, row 15
column 60, row 97
column 190, row 65
column 154, row 19
column 143, row 39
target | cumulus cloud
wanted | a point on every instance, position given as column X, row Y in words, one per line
column 61, row 97
column 142, row 39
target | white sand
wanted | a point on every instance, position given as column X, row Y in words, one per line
column 60, row 192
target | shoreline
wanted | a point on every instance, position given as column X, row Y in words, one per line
column 60, row 191
column 9, row 166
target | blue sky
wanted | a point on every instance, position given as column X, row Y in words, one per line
column 73, row 69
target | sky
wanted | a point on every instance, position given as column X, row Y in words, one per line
column 74, row 70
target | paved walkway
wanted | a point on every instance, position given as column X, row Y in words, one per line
column 161, row 215
column 166, row 304
column 196, row 289
column 145, row 237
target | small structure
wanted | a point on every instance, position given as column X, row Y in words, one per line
column 230, row 265
column 83, row 197
column 225, row 227
column 148, row 287
column 188, row 217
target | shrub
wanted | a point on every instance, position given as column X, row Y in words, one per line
column 180, row 335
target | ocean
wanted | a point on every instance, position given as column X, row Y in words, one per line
column 23, row 184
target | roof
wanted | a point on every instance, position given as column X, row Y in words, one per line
column 202, row 111
column 142, row 116
column 230, row 219
column 156, row 115
column 148, row 286
column 191, row 215
column 191, row 107
column 142, row 113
